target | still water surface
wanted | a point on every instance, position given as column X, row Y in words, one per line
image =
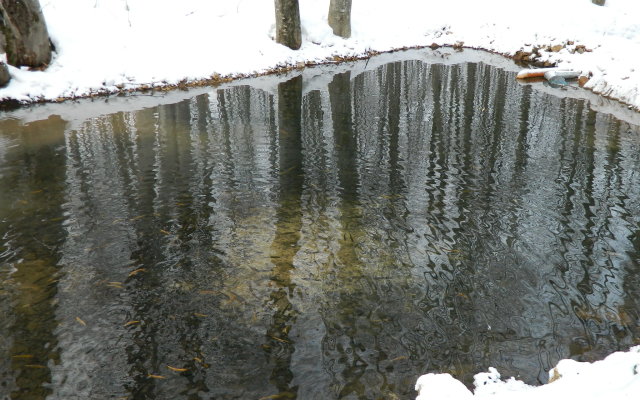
column 332, row 242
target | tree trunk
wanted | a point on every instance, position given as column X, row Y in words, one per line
column 288, row 23
column 598, row 2
column 340, row 17
column 4, row 75
column 23, row 33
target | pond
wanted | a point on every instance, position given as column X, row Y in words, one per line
column 325, row 238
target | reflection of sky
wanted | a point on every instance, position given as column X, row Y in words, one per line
column 448, row 219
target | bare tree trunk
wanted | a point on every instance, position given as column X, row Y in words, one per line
column 23, row 33
column 340, row 17
column 288, row 23
column 4, row 75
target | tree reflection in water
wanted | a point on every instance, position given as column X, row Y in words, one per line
column 330, row 240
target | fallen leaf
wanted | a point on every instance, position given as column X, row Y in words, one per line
column 132, row 323
column 279, row 340
column 156, row 376
column 177, row 369
column 136, row 272
column 283, row 395
column 80, row 321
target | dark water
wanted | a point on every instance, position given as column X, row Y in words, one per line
column 318, row 244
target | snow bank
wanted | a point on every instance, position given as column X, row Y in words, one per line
column 109, row 45
column 615, row 377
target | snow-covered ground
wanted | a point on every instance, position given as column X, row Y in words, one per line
column 108, row 45
column 615, row 377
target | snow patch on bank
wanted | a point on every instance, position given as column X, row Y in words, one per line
column 111, row 45
column 615, row 377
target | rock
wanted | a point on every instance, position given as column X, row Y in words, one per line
column 582, row 49
column 521, row 56
column 4, row 75
column 434, row 46
column 557, row 48
column 583, row 80
column 23, row 34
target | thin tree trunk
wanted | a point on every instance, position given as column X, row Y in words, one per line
column 340, row 17
column 288, row 23
column 4, row 75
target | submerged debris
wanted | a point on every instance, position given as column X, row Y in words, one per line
column 175, row 369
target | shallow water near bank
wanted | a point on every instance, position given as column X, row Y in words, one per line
column 333, row 237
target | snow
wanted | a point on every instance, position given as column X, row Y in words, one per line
column 109, row 45
column 615, row 377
